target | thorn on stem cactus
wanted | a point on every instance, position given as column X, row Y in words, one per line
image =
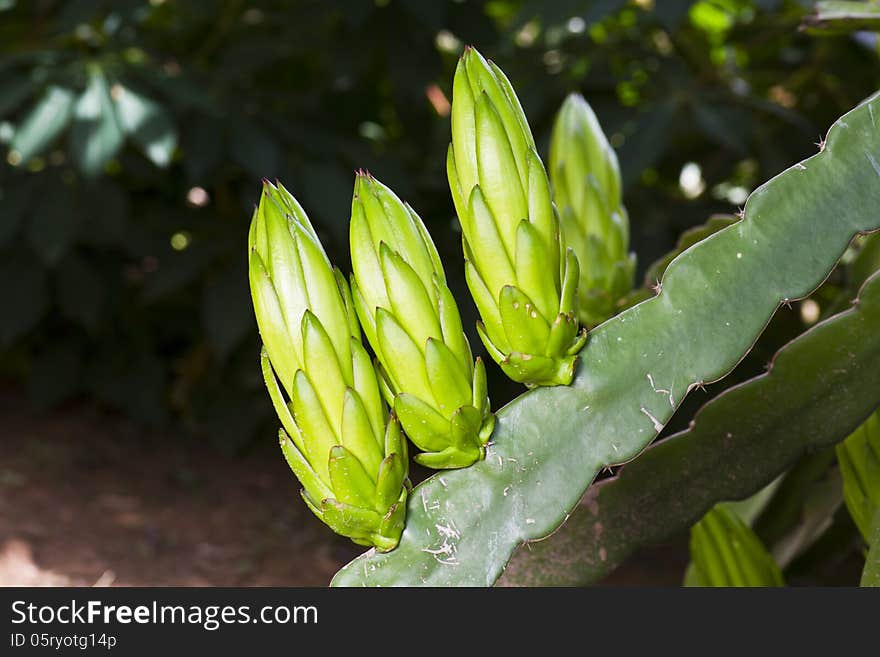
column 522, row 278
column 585, row 178
column 337, row 437
column 412, row 321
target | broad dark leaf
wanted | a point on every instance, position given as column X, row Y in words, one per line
column 81, row 294
column 24, row 291
column 225, row 312
column 52, row 222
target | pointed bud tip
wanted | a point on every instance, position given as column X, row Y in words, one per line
column 308, row 322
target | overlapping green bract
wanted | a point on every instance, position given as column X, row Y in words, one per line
column 523, row 280
column 859, row 459
column 349, row 456
column 412, row 321
column 726, row 552
column 585, row 178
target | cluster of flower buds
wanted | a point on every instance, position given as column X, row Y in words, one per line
column 412, row 321
column 522, row 267
column 585, row 178
column 337, row 436
column 523, row 280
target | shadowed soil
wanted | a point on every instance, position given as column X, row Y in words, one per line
column 87, row 498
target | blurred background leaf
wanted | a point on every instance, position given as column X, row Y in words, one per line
column 96, row 135
column 46, row 120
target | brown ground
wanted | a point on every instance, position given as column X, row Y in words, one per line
column 88, row 499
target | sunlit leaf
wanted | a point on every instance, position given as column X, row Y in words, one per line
column 148, row 124
column 49, row 117
column 96, row 136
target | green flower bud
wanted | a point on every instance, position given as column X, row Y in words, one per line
column 586, row 186
column 859, row 460
column 410, row 318
column 337, row 437
column 726, row 552
column 522, row 279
